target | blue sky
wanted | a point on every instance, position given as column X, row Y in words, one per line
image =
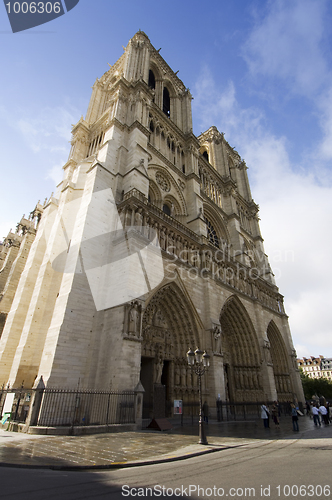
column 260, row 71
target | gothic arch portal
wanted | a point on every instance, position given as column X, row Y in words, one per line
column 169, row 329
column 280, row 363
column 242, row 355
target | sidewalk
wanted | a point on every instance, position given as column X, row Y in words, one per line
column 113, row 450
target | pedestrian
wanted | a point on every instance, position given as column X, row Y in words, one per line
column 315, row 414
column 275, row 414
column 311, row 407
column 278, row 408
column 205, row 410
column 265, row 414
column 295, row 418
column 323, row 411
column 307, row 406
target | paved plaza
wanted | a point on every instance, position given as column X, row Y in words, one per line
column 121, row 449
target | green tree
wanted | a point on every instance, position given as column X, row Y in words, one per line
column 316, row 386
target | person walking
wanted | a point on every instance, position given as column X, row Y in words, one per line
column 315, row 414
column 275, row 414
column 265, row 414
column 295, row 418
column 205, row 411
column 323, row 411
column 307, row 407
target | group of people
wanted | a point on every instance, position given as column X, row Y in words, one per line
column 319, row 411
column 275, row 414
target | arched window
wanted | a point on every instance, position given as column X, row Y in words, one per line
column 151, row 126
column 211, row 233
column 206, row 155
column 166, row 209
column 152, row 80
column 166, row 103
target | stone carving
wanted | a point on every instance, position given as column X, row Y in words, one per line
column 177, row 375
column 267, row 352
column 158, row 369
column 134, row 320
column 159, row 319
column 217, row 339
column 163, row 182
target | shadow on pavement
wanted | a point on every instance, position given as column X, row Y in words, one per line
column 42, row 484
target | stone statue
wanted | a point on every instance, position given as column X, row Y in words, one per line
column 134, row 319
column 158, row 370
column 177, row 375
column 217, row 339
column 138, row 218
column 159, row 319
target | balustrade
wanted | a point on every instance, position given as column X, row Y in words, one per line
column 185, row 247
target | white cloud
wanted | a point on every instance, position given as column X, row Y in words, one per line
column 311, row 314
column 324, row 112
column 287, row 44
column 296, row 212
column 217, row 105
column 56, row 173
column 49, row 129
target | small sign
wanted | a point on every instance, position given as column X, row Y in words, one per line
column 5, row 418
column 177, row 406
column 7, row 407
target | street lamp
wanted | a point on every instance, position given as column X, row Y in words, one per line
column 199, row 362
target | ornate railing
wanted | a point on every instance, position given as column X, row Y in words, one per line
column 185, row 248
column 69, row 407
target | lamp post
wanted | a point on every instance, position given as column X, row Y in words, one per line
column 199, row 362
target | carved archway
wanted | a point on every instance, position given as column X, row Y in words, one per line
column 169, row 329
column 241, row 351
column 280, row 363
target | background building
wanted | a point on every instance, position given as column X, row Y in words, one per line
column 150, row 245
column 316, row 367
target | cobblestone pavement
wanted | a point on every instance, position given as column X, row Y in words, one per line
column 129, row 448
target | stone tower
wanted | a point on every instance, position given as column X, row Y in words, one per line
column 150, row 245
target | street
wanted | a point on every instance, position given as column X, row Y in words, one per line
column 286, row 468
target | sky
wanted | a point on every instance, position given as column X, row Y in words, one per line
column 260, row 71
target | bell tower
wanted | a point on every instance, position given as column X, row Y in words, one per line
column 150, row 245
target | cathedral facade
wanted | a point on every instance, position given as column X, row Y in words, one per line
column 149, row 246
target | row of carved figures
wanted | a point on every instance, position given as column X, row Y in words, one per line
column 210, row 188
column 217, row 262
column 283, row 383
column 247, row 379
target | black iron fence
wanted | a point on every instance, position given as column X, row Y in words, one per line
column 66, row 407
column 15, row 403
column 246, row 411
column 69, row 407
column 226, row 411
